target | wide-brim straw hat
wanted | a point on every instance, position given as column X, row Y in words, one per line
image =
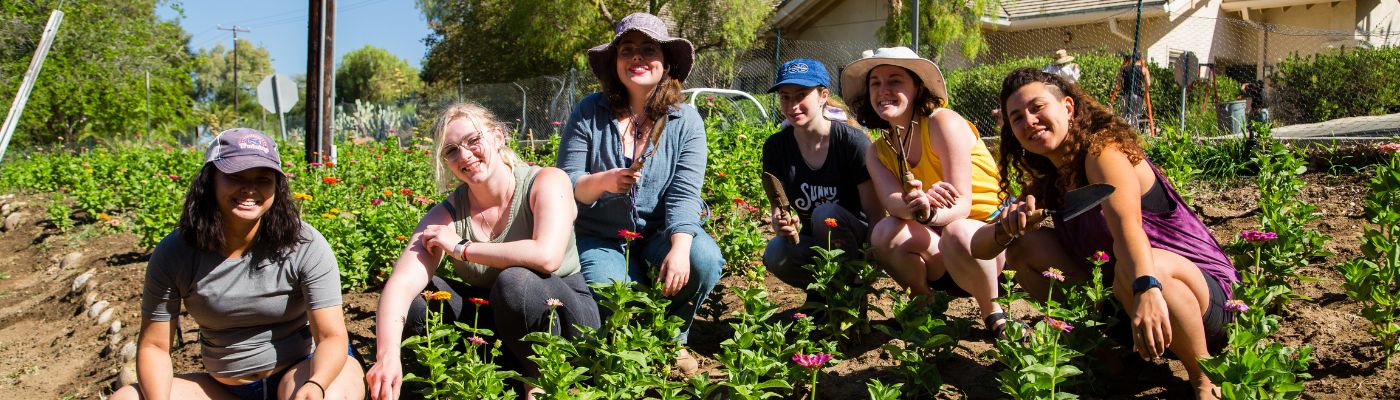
column 1063, row 57
column 853, row 77
column 679, row 53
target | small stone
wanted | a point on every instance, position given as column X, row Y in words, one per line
column 114, row 342
column 127, row 376
column 10, row 207
column 71, row 260
column 89, row 299
column 115, row 327
column 13, row 221
column 106, row 316
column 128, row 352
column 7, row 196
column 80, row 283
column 97, row 308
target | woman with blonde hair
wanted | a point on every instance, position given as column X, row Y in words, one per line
column 506, row 228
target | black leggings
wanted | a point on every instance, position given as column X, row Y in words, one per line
column 517, row 307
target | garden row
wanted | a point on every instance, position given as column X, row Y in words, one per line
column 367, row 202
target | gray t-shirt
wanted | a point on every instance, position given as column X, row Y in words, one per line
column 250, row 319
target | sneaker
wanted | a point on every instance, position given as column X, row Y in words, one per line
column 686, row 364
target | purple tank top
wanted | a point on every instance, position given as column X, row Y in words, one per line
column 1178, row 231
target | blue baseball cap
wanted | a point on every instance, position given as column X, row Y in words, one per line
column 803, row 72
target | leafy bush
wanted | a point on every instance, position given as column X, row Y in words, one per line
column 1337, row 84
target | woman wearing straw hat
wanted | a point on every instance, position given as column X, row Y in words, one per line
column 924, row 244
column 1064, row 66
column 628, row 178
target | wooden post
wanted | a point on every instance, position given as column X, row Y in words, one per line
column 320, row 80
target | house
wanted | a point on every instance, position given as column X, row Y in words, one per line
column 1245, row 37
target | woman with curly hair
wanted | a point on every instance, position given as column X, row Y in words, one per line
column 261, row 283
column 1166, row 269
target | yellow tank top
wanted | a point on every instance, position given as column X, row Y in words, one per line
column 986, row 181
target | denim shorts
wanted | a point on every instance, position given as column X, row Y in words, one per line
column 266, row 388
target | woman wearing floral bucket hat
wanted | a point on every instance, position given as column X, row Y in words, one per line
column 932, row 174
column 636, row 155
column 262, row 285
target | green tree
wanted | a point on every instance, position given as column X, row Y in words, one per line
column 93, row 83
column 477, row 41
column 374, row 75
column 942, row 24
column 214, row 88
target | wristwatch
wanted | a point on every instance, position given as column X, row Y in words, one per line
column 1145, row 282
column 461, row 249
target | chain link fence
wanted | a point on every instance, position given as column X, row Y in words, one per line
column 1271, row 58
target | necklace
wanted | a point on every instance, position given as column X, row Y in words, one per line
column 481, row 217
column 635, row 125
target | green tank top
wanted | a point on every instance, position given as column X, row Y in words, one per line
column 520, row 225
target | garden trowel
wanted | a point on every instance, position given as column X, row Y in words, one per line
column 773, row 188
column 1077, row 202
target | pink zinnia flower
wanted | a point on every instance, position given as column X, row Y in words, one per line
column 1100, row 256
column 1390, row 148
column 553, row 303
column 811, row 360
column 375, row 201
column 1054, row 273
column 174, row 177
column 799, row 316
column 477, row 340
column 1058, row 324
column 1236, row 306
column 556, row 123
column 1257, row 236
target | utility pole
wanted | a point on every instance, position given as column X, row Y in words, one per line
column 320, row 81
column 235, row 29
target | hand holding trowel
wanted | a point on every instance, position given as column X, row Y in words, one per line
column 773, row 188
column 1076, row 203
column 898, row 139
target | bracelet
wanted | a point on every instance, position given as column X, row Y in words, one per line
column 318, row 386
column 1008, row 241
column 932, row 212
column 461, row 248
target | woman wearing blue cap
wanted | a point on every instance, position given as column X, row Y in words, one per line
column 262, row 285
column 821, row 164
column 636, row 156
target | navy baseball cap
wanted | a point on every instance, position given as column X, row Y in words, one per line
column 239, row 149
column 803, row 72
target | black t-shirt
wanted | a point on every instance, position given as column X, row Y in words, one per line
column 836, row 180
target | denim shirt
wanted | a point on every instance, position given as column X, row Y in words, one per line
column 668, row 195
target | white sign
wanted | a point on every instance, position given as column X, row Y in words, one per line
column 286, row 93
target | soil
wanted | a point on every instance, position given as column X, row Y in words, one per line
column 50, row 348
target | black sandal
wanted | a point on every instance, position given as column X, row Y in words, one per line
column 998, row 332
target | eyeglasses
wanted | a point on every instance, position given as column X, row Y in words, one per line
column 648, row 50
column 451, row 151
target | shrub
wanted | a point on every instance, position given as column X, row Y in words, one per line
column 1337, row 84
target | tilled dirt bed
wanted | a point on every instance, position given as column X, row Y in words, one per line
column 51, row 348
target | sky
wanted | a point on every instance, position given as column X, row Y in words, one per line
column 281, row 27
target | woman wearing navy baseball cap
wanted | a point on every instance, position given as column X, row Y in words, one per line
column 821, row 165
column 262, row 285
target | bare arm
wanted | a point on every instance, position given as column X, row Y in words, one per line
column 412, row 272
column 952, row 140
column 1133, row 252
column 332, row 344
column 887, row 189
column 153, row 366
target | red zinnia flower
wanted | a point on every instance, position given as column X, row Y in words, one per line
column 629, row 235
column 479, row 301
column 330, row 180
column 830, row 222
